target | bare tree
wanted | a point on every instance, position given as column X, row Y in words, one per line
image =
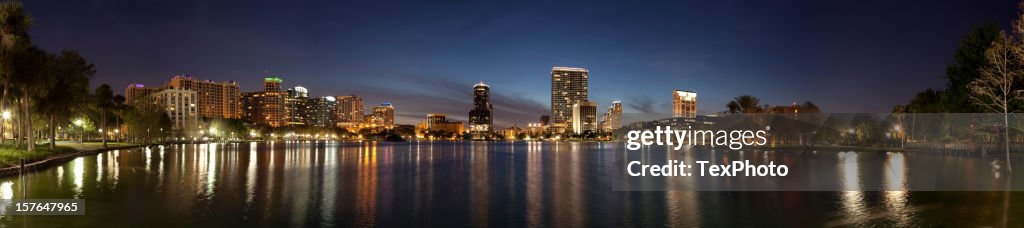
column 994, row 90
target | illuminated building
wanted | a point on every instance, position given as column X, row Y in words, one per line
column 439, row 122
column 568, row 86
column 252, row 107
column 383, row 115
column 481, row 116
column 684, row 104
column 584, row 116
column 320, row 111
column 297, row 106
column 612, row 118
column 181, row 108
column 349, row 111
column 273, row 109
column 136, row 92
column 215, row 99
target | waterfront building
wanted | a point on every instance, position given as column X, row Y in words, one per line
column 584, row 116
column 297, row 106
column 684, row 104
column 383, row 116
column 252, row 107
column 349, row 111
column 215, row 99
column 320, row 111
column 136, row 92
column 481, row 116
column 439, row 122
column 568, row 87
column 612, row 119
column 181, row 108
column 273, row 108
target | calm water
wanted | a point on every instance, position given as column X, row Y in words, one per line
column 449, row 184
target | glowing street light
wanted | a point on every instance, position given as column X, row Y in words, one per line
column 6, row 115
column 79, row 122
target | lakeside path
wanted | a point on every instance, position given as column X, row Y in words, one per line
column 82, row 149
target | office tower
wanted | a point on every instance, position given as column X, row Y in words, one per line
column 181, row 108
column 252, row 107
column 684, row 104
column 273, row 109
column 384, row 115
column 612, row 118
column 568, row 86
column 349, row 111
column 481, row 116
column 135, row 92
column 584, row 116
column 216, row 99
column 321, row 110
column 297, row 106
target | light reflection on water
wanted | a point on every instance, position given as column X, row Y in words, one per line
column 459, row 184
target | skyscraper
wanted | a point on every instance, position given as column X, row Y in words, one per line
column 136, row 92
column 215, row 99
column 252, row 107
column 297, row 106
column 584, row 116
column 384, row 115
column 481, row 116
column 568, row 86
column 273, row 109
column 349, row 110
column 320, row 111
column 684, row 104
column 612, row 119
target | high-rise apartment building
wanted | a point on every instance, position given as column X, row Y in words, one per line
column 568, row 86
column 320, row 111
column 273, row 108
column 350, row 110
column 482, row 114
column 181, row 107
column 584, row 116
column 684, row 104
column 612, row 118
column 384, row 115
column 135, row 92
column 297, row 106
column 215, row 99
column 252, row 107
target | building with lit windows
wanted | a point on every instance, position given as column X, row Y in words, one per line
column 321, row 112
column 684, row 104
column 481, row 117
column 584, row 117
column 135, row 92
column 181, row 107
column 612, row 119
column 350, row 111
column 215, row 99
column 383, row 116
column 568, row 87
column 296, row 103
column 273, row 108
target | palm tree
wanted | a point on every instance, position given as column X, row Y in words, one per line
column 746, row 104
column 119, row 108
column 104, row 103
column 70, row 88
column 14, row 24
column 30, row 77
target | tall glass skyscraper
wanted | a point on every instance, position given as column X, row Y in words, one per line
column 481, row 120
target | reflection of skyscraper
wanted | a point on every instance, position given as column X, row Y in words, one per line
column 273, row 102
column 612, row 119
column 481, row 116
column 584, row 116
column 384, row 115
column 568, row 86
column 684, row 104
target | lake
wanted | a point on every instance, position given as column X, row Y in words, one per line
column 288, row 184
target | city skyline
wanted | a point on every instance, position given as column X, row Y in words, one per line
column 725, row 56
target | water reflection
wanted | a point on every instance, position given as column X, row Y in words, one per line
column 289, row 184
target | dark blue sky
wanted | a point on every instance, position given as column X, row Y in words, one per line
column 424, row 56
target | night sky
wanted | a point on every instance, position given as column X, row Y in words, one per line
column 424, row 56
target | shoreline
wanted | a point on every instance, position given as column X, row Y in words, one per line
column 57, row 160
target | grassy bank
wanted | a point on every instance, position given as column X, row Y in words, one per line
column 10, row 155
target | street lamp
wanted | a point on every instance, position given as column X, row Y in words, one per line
column 79, row 122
